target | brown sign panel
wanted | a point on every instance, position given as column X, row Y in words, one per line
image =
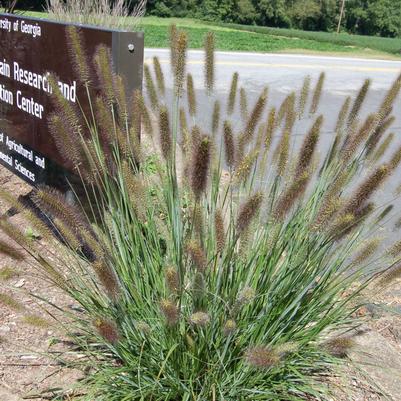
column 29, row 49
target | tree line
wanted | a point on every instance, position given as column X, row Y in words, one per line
column 366, row 17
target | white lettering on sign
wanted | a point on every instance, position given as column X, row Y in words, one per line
column 29, row 106
column 6, row 96
column 5, row 69
column 30, row 29
column 5, row 24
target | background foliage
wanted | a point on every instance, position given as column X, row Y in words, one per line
column 366, row 17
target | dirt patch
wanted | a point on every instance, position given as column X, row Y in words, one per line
column 27, row 335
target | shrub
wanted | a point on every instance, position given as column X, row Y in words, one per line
column 222, row 266
column 105, row 13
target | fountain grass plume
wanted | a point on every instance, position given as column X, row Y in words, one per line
column 317, row 93
column 151, row 88
column 233, row 94
column 193, row 255
column 191, row 96
column 159, row 76
column 360, row 98
column 165, row 133
column 243, row 102
column 303, row 98
column 180, row 63
column 229, row 144
column 216, row 117
column 209, row 46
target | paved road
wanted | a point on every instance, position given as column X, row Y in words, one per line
column 285, row 73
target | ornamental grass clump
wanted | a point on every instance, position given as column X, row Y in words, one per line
column 213, row 261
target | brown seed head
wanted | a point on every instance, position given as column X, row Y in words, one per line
column 191, row 95
column 229, row 145
column 173, row 33
column 248, row 211
column 317, row 93
column 219, row 231
column 368, row 249
column 216, row 117
column 390, row 97
column 11, row 251
column 201, row 164
column 108, row 330
column 209, row 46
column 381, row 150
column 170, row 312
column 180, row 65
column 150, row 88
column 366, row 189
column 378, row 133
column 159, row 75
column 254, row 118
column 243, row 104
column 197, row 255
column 287, row 200
column 230, row 327
column 270, row 124
column 233, row 94
column 396, row 159
column 104, row 68
column 245, row 166
column 165, row 133
column 108, row 278
column 303, row 99
column 200, row 319
column 356, row 107
column 172, row 279
column 309, row 146
column 339, row 346
column 342, row 115
column 261, row 357
column 76, row 50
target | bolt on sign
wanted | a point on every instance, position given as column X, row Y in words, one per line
column 30, row 49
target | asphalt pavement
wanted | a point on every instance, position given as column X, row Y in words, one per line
column 284, row 73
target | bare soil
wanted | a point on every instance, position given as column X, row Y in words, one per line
column 373, row 371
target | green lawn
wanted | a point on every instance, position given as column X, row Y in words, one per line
column 264, row 39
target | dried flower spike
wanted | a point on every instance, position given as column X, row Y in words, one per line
column 219, row 231
column 201, row 164
column 308, row 147
column 230, row 327
column 197, row 255
column 200, row 319
column 191, row 95
column 159, row 75
column 339, row 346
column 261, row 357
column 248, row 211
column 108, row 330
column 165, row 133
column 172, row 279
column 317, row 93
column 170, row 312
column 229, row 145
column 233, row 94
column 151, row 88
column 180, row 64
column 215, row 117
column 356, row 107
column 209, row 61
column 303, row 98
